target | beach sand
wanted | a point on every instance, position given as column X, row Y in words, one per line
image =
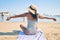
column 10, row 30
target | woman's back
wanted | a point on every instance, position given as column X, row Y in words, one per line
column 31, row 26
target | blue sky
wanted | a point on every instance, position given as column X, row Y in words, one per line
column 50, row 7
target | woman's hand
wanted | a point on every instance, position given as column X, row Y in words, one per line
column 8, row 18
column 54, row 19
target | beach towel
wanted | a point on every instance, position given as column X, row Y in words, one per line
column 38, row 36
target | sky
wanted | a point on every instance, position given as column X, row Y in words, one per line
column 49, row 7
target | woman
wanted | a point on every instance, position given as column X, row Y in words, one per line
column 32, row 17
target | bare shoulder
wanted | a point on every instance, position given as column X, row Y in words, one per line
column 40, row 15
column 26, row 13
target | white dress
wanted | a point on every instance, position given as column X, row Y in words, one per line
column 31, row 28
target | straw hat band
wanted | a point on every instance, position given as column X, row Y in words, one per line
column 32, row 8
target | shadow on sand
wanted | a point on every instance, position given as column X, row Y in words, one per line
column 14, row 32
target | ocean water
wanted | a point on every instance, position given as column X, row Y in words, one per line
column 21, row 19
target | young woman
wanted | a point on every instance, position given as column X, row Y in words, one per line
column 32, row 17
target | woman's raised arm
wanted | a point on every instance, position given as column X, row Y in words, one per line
column 16, row 16
column 45, row 17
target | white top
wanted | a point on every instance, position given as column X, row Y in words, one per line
column 32, row 26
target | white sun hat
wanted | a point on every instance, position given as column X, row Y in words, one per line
column 32, row 8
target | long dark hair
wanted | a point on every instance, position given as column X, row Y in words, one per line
column 35, row 15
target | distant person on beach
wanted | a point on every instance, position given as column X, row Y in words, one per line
column 32, row 17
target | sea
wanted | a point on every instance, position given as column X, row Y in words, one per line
column 21, row 19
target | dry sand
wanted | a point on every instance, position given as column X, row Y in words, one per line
column 9, row 30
